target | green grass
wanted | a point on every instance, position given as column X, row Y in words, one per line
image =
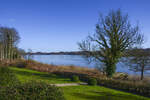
column 82, row 92
column 98, row 93
column 25, row 75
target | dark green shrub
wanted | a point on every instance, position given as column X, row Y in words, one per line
column 18, row 63
column 31, row 91
column 9, row 93
column 92, row 81
column 75, row 78
column 21, row 64
column 7, row 77
column 40, row 91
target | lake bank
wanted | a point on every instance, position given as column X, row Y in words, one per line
column 78, row 60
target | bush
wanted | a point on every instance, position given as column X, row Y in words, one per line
column 21, row 64
column 75, row 78
column 92, row 81
column 9, row 93
column 130, row 86
column 31, row 91
column 7, row 77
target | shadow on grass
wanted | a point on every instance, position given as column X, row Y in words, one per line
column 105, row 96
column 41, row 75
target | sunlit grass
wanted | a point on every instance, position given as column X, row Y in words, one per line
column 25, row 75
column 98, row 93
column 82, row 92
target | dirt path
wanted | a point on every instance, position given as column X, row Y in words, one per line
column 69, row 84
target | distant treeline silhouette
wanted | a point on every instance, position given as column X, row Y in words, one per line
column 72, row 52
column 57, row 53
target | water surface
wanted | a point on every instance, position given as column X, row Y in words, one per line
column 77, row 60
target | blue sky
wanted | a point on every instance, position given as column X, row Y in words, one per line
column 57, row 25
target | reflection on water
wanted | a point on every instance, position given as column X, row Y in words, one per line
column 76, row 60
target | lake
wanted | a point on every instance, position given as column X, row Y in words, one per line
column 78, row 60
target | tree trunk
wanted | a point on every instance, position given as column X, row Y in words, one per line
column 142, row 73
column 110, row 69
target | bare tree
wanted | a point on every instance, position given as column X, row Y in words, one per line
column 138, row 60
column 114, row 34
column 9, row 39
column 29, row 54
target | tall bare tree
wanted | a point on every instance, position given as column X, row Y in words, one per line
column 9, row 39
column 114, row 34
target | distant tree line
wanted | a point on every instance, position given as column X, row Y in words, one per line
column 56, row 53
column 9, row 38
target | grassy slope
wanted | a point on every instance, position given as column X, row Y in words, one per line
column 97, row 93
column 25, row 75
column 75, row 92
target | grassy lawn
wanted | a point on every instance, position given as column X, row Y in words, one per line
column 82, row 92
column 97, row 93
column 25, row 75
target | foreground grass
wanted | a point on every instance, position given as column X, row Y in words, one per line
column 98, row 93
column 25, row 75
column 82, row 92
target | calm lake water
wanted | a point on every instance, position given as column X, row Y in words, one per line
column 77, row 60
